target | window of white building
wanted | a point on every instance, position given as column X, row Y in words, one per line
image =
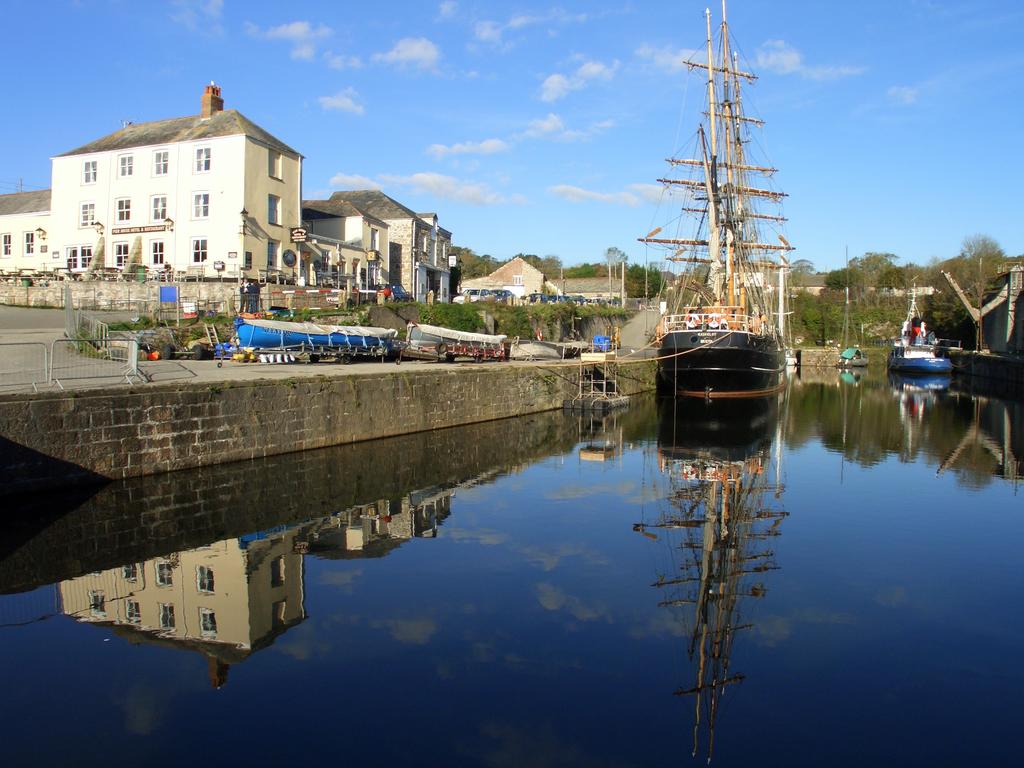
column 207, row 622
column 202, row 159
column 204, row 579
column 156, row 250
column 271, row 254
column 124, row 209
column 85, row 256
column 201, row 205
column 199, row 250
column 166, row 616
column 30, row 243
column 5, row 244
column 373, row 240
column 161, row 159
column 87, row 215
column 120, row 254
column 164, row 574
column 97, row 603
column 273, row 209
column 89, row 172
column 125, row 165
column 158, row 209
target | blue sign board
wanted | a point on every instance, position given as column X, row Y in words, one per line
column 168, row 294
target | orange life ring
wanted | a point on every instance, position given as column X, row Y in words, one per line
column 692, row 320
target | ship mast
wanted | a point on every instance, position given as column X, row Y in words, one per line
column 711, row 172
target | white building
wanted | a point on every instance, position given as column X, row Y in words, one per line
column 208, row 194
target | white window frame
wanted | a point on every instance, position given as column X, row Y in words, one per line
column 203, row 160
column 164, row 567
column 158, row 215
column 125, row 166
column 28, row 243
column 200, row 205
column 517, row 280
column 207, row 622
column 166, row 611
column 274, row 164
column 205, row 581
column 374, row 236
column 89, row 171
column 83, row 220
column 6, row 244
column 97, row 603
column 132, row 612
column 124, row 209
column 130, row 572
column 161, row 162
column 274, row 209
column 153, row 252
column 121, row 254
column 197, row 250
column 84, row 256
column 272, row 254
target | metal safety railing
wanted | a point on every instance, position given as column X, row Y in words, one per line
column 78, row 362
column 24, row 366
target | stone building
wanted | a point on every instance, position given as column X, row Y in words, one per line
column 419, row 248
column 518, row 276
column 345, row 244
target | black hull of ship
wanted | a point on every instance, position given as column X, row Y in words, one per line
column 720, row 364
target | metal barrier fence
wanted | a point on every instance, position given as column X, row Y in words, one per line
column 85, row 362
column 24, row 365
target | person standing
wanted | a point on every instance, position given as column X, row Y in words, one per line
column 243, row 296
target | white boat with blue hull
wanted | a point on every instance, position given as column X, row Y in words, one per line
column 341, row 341
column 917, row 352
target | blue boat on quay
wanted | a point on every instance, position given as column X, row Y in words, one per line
column 339, row 340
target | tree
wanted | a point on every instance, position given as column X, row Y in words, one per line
column 840, row 279
column 471, row 265
column 641, row 282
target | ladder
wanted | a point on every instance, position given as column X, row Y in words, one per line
column 211, row 334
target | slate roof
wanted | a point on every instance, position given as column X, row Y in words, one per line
column 229, row 122
column 334, row 207
column 25, row 202
column 376, row 203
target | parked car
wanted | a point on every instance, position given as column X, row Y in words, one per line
column 398, row 293
column 470, row 295
column 501, row 294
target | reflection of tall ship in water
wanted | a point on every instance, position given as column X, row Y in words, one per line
column 234, row 597
column 723, row 511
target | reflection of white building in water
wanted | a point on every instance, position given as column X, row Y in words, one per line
column 224, row 600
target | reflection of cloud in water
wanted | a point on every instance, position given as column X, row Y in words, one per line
column 661, row 624
column 409, row 631
column 341, row 579
column 486, row 536
column 818, row 616
column 534, row 746
column 302, row 643
column 548, row 559
column 773, row 630
column 142, row 710
column 554, row 599
column 891, row 597
column 569, row 492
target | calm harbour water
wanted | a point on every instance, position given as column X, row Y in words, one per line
column 831, row 579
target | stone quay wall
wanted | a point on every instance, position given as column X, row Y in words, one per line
column 1007, row 370
column 57, row 439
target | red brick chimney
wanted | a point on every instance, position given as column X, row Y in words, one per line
column 212, row 102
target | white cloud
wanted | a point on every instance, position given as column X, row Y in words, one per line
column 352, row 182
column 341, row 61
column 447, row 9
column 492, row 32
column 779, row 57
column 670, row 60
column 303, row 36
column 199, row 15
column 343, row 101
column 580, row 195
column 902, row 94
column 553, row 128
column 446, row 187
column 415, row 52
column 558, row 86
column 485, row 147
column 652, row 193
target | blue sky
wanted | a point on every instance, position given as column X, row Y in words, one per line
column 540, row 128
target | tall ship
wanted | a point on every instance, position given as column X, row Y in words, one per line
column 723, row 332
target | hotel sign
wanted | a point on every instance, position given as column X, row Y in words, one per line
column 299, row 235
column 138, row 230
